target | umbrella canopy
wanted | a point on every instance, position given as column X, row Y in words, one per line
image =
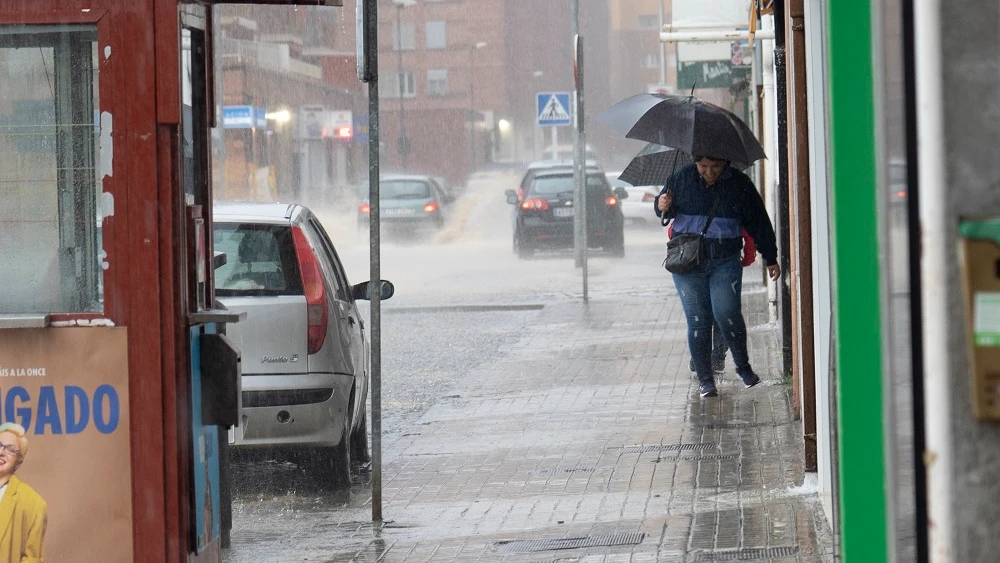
column 655, row 163
column 685, row 123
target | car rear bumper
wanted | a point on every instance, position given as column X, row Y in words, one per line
column 537, row 233
column 293, row 410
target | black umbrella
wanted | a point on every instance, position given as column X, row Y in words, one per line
column 685, row 123
column 653, row 165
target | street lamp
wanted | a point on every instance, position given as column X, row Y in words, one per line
column 403, row 144
column 472, row 105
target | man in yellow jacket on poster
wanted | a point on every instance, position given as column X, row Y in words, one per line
column 23, row 512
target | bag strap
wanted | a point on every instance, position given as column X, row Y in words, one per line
column 711, row 214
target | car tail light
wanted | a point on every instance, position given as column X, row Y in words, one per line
column 611, row 201
column 365, row 208
column 431, row 207
column 648, row 197
column 535, row 203
column 314, row 289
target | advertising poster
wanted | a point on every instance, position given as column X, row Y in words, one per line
column 68, row 388
column 207, row 514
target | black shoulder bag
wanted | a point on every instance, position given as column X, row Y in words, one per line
column 686, row 252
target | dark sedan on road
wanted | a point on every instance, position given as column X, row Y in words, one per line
column 543, row 218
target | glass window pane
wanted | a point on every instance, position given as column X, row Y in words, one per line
column 50, row 220
column 437, row 82
column 436, row 35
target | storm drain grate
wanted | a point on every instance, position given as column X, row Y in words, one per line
column 558, row 471
column 708, row 457
column 609, row 540
column 641, row 448
column 724, row 425
column 745, row 554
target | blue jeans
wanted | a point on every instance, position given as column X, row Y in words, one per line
column 714, row 293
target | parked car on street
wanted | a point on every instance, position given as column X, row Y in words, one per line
column 543, row 218
column 305, row 355
column 410, row 203
column 638, row 208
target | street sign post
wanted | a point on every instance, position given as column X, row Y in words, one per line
column 553, row 109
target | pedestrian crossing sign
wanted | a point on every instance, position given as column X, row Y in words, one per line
column 553, row 108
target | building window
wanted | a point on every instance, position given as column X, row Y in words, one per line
column 647, row 21
column 437, row 82
column 50, row 135
column 436, row 38
column 651, row 60
column 403, row 33
column 390, row 82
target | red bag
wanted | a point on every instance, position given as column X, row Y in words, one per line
column 749, row 248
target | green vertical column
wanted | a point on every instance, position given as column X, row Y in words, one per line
column 856, row 302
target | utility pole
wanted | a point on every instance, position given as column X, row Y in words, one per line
column 403, row 144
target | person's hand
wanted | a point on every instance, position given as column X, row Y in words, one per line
column 774, row 272
column 665, row 200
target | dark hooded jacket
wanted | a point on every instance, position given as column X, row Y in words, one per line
column 740, row 207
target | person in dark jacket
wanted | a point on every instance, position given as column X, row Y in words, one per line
column 714, row 292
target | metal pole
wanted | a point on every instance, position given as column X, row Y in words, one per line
column 375, row 287
column 402, row 146
column 581, row 157
column 663, row 49
column 577, row 189
column 472, row 109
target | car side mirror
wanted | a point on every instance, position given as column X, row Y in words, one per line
column 363, row 290
column 511, row 196
column 621, row 193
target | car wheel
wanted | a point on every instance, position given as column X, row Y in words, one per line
column 616, row 247
column 521, row 249
column 359, row 442
column 332, row 466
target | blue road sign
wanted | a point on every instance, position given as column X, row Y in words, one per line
column 553, row 108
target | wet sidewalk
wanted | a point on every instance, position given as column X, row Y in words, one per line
column 587, row 441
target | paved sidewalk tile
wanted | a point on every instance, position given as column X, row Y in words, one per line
column 589, row 443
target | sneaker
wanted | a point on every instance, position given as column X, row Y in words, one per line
column 708, row 390
column 750, row 379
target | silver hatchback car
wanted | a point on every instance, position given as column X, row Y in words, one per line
column 305, row 356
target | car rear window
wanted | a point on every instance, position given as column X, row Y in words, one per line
column 551, row 185
column 404, row 189
column 260, row 260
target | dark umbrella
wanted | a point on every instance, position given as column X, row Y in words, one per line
column 685, row 123
column 655, row 163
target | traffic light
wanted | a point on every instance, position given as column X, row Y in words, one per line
column 344, row 133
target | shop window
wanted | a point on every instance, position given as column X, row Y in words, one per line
column 50, row 221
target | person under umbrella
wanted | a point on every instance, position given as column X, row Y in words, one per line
column 689, row 197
